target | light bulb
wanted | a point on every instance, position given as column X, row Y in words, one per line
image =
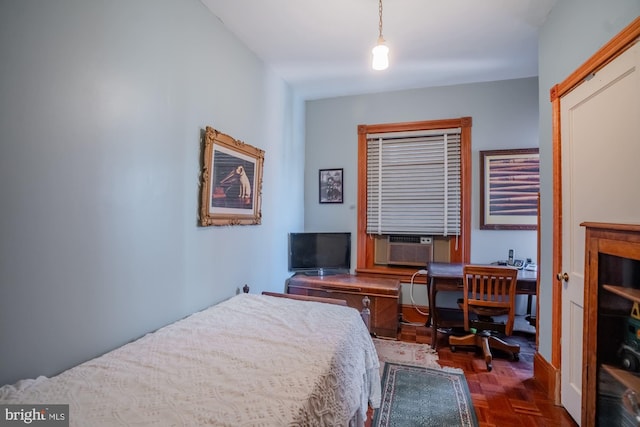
column 380, row 56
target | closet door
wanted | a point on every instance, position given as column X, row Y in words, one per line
column 600, row 175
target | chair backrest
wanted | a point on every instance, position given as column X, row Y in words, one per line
column 490, row 291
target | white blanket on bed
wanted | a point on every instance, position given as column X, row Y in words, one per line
column 252, row 360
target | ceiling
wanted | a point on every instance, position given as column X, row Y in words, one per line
column 322, row 48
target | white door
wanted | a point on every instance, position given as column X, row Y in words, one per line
column 600, row 151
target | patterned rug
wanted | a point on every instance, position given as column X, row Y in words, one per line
column 406, row 353
column 416, row 391
column 425, row 397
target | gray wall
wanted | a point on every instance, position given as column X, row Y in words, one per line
column 101, row 109
column 573, row 32
column 504, row 113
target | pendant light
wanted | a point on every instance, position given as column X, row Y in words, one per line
column 380, row 51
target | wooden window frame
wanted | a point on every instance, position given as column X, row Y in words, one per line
column 365, row 245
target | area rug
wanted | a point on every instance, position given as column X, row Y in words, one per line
column 405, row 353
column 425, row 397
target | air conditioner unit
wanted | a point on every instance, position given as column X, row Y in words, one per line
column 409, row 250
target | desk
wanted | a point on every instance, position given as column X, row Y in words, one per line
column 383, row 294
column 448, row 277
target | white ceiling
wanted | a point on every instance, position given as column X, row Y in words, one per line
column 323, row 47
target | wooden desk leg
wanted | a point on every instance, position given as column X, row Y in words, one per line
column 433, row 314
column 428, row 321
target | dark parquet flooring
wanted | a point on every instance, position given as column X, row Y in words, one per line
column 505, row 397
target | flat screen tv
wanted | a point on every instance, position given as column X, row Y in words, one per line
column 320, row 253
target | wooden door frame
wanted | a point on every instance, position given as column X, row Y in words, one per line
column 602, row 57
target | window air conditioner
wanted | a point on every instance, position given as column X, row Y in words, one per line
column 409, row 250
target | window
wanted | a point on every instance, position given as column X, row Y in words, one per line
column 413, row 180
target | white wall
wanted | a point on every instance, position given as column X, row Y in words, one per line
column 102, row 105
column 504, row 114
column 573, row 32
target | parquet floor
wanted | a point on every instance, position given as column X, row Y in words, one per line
column 505, row 397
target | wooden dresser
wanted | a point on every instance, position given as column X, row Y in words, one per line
column 384, row 295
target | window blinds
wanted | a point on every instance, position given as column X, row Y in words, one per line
column 413, row 182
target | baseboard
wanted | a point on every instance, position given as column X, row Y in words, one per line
column 547, row 376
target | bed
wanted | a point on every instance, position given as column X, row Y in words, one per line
column 252, row 360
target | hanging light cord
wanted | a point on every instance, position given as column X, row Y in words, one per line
column 380, row 21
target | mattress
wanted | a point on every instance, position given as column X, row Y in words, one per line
column 252, row 360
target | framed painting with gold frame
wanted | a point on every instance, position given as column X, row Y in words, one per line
column 231, row 181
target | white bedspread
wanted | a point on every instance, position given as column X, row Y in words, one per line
column 252, row 360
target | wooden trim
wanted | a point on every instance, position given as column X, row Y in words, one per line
column 603, row 56
column 590, row 335
column 365, row 245
column 607, row 226
column 556, row 292
column 548, row 377
column 538, row 252
column 410, row 126
column 463, row 252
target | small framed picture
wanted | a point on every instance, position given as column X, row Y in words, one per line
column 331, row 186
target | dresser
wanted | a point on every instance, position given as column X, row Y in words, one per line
column 383, row 294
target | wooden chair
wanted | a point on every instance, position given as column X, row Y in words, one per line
column 489, row 291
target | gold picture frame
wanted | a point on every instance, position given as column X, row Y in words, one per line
column 509, row 188
column 231, row 181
